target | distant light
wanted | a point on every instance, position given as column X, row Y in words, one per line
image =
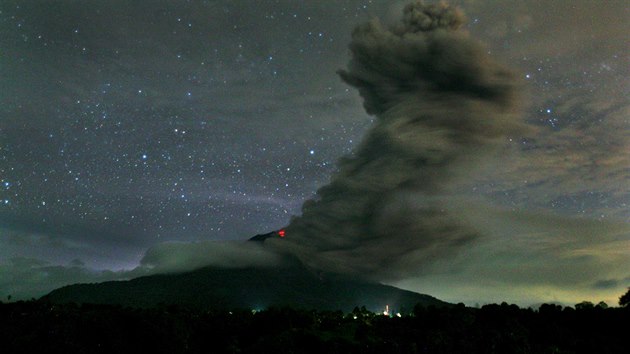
column 281, row 233
column 144, row 156
column 312, row 152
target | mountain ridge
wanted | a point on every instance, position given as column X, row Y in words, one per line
column 255, row 288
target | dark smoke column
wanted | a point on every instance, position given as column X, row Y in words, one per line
column 441, row 103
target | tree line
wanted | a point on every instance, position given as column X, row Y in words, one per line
column 42, row 327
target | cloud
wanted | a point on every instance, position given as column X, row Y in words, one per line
column 606, row 284
column 578, row 166
column 528, row 258
column 574, row 27
column 171, row 257
column 441, row 105
column 24, row 278
column 577, row 163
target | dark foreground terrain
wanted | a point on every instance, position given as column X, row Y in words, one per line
column 43, row 327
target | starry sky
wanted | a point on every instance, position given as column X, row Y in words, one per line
column 124, row 125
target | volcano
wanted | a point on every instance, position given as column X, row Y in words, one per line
column 251, row 288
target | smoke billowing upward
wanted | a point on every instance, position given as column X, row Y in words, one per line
column 441, row 103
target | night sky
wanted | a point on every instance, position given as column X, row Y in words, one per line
column 127, row 124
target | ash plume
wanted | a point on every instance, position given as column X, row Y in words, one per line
column 441, row 104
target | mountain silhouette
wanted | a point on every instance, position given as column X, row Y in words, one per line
column 255, row 288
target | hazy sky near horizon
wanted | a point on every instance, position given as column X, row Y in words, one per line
column 125, row 125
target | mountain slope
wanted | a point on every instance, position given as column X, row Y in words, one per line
column 209, row 288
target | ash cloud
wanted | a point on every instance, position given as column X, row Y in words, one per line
column 441, row 105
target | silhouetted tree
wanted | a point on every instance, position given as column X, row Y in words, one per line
column 624, row 300
column 584, row 305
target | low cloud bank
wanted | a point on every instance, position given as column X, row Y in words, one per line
column 530, row 258
column 182, row 256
